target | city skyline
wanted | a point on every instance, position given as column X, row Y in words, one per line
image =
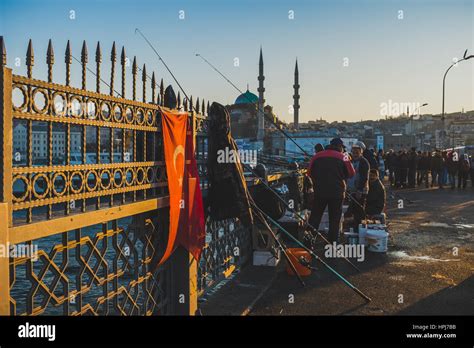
column 345, row 74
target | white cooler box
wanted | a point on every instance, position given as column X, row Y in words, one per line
column 265, row 258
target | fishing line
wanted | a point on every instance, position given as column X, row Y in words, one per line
column 165, row 65
column 360, row 293
column 258, row 110
column 297, row 214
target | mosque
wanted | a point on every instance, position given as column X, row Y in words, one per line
column 254, row 122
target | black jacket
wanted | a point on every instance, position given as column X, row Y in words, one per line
column 437, row 163
column 329, row 169
column 375, row 203
column 370, row 157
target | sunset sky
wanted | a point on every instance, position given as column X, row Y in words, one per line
column 390, row 59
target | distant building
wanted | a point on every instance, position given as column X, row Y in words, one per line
column 40, row 144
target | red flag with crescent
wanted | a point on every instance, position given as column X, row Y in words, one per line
column 186, row 226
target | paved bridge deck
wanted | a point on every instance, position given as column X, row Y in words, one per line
column 420, row 266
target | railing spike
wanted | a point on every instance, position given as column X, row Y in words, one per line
column 134, row 65
column 123, row 57
column 50, row 60
column 197, row 105
column 134, row 78
column 98, row 53
column 50, row 53
column 123, row 61
column 185, row 104
column 84, row 59
column 191, row 103
column 203, row 108
column 162, row 93
column 98, row 60
column 144, row 73
column 84, row 53
column 113, row 59
column 144, row 82
column 3, row 52
column 207, row 108
column 113, row 53
column 179, row 100
column 68, row 61
column 30, row 59
column 153, row 87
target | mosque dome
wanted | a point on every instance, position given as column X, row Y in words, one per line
column 246, row 98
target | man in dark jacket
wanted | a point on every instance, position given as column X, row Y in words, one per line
column 463, row 171
column 404, row 165
column 424, row 168
column 412, row 162
column 390, row 164
column 369, row 155
column 376, row 197
column 358, row 186
column 329, row 170
column 397, row 169
column 437, row 167
column 452, row 163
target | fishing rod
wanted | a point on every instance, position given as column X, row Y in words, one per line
column 279, row 243
column 165, row 65
column 298, row 215
column 118, row 94
column 93, row 73
column 354, row 288
column 274, row 123
column 182, row 90
column 258, row 110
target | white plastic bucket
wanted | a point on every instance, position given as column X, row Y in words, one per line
column 377, row 240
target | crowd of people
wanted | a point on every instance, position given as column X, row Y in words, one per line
column 356, row 177
column 408, row 169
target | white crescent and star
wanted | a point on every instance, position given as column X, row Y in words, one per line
column 177, row 151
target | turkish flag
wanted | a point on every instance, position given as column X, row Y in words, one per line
column 186, row 225
column 192, row 230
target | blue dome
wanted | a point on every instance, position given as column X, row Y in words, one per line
column 247, row 98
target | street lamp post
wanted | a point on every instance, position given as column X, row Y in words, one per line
column 465, row 57
column 413, row 114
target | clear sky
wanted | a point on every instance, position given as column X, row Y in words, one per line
column 392, row 56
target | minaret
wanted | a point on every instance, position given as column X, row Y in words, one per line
column 261, row 99
column 296, row 98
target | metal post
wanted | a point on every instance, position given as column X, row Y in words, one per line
column 6, row 137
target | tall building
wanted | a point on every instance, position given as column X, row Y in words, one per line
column 261, row 99
column 296, row 98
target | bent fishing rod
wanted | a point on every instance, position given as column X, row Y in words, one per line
column 303, row 152
column 269, row 118
column 118, row 94
column 184, row 92
column 350, row 285
column 297, row 214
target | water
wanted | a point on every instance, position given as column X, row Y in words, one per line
column 102, row 265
